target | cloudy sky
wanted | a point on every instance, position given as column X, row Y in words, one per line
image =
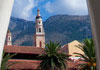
column 27, row 9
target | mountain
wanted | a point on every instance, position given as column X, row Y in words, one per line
column 60, row 28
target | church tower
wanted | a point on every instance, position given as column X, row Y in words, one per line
column 9, row 38
column 39, row 38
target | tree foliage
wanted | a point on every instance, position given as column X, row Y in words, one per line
column 52, row 59
column 4, row 64
column 89, row 56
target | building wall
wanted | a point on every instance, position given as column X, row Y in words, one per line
column 73, row 49
column 39, row 39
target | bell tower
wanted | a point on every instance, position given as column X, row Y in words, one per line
column 39, row 37
column 9, row 38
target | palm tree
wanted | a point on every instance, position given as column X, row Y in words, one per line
column 4, row 64
column 52, row 59
column 89, row 56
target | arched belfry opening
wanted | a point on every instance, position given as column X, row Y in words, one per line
column 39, row 29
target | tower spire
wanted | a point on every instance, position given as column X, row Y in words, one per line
column 38, row 12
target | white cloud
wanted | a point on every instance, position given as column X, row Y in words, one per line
column 24, row 9
column 27, row 11
column 72, row 7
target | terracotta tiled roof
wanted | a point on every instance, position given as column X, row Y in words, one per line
column 33, row 64
column 24, row 64
column 23, row 49
column 64, row 49
column 30, row 49
column 74, row 64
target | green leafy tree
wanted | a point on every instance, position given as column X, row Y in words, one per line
column 4, row 64
column 89, row 56
column 52, row 59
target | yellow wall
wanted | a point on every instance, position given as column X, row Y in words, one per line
column 73, row 49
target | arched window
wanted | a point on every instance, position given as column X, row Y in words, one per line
column 39, row 29
column 9, row 38
column 40, row 44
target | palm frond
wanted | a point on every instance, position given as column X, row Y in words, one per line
column 52, row 59
column 89, row 53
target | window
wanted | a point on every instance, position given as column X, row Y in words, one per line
column 39, row 29
column 40, row 44
column 9, row 38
